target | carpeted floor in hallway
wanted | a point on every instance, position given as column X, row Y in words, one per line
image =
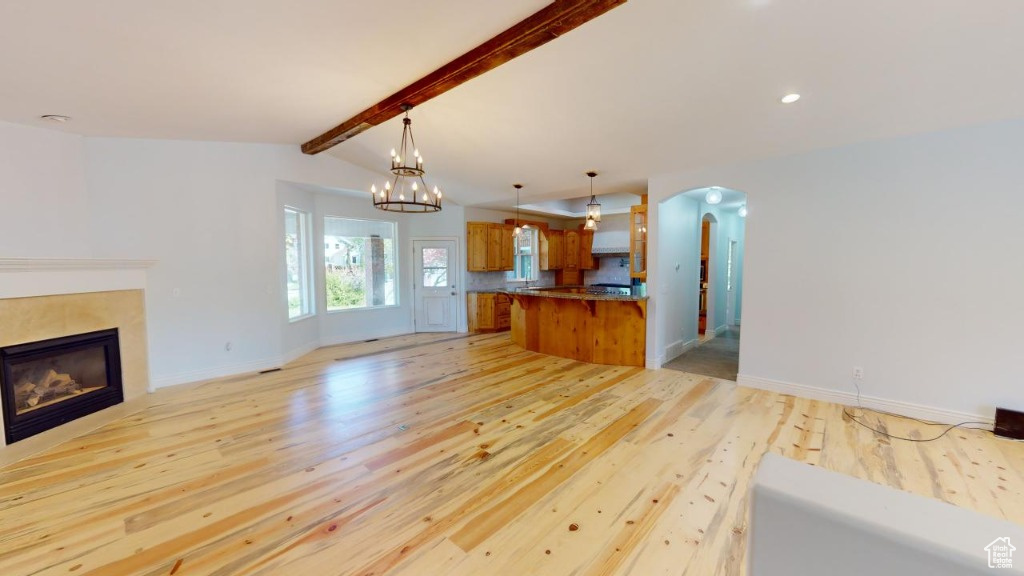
column 718, row 357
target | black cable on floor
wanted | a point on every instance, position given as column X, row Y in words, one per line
column 893, row 436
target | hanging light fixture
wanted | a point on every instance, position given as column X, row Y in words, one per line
column 714, row 195
column 593, row 208
column 403, row 193
column 518, row 229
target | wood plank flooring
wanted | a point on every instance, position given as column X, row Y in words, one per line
column 452, row 455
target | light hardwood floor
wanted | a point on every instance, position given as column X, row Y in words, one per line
column 452, row 455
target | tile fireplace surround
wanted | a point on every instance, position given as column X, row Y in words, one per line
column 50, row 298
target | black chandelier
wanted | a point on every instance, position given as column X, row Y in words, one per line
column 407, row 192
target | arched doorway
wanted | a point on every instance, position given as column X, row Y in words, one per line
column 705, row 278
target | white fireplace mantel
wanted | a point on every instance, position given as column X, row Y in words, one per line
column 27, row 277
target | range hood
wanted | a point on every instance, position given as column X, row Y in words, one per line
column 612, row 236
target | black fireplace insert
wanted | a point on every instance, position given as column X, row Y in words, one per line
column 50, row 382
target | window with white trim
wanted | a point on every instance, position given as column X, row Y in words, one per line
column 298, row 263
column 526, row 265
column 361, row 269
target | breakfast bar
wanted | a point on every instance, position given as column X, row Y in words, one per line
column 581, row 323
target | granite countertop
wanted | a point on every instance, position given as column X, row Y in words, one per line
column 573, row 293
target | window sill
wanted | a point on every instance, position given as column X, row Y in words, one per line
column 362, row 309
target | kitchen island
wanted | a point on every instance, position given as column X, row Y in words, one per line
column 580, row 323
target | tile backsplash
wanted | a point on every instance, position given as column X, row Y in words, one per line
column 496, row 280
column 612, row 270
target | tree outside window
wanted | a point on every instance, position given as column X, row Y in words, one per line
column 360, row 269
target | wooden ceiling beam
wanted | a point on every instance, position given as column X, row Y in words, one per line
column 538, row 29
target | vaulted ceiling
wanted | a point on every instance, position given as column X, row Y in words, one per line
column 653, row 86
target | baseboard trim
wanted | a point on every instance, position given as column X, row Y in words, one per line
column 168, row 380
column 928, row 413
column 675, row 350
column 211, row 373
column 325, row 342
column 299, row 352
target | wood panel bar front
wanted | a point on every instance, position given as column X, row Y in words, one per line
column 588, row 329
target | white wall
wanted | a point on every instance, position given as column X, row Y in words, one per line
column 209, row 213
column 672, row 270
column 899, row 256
column 45, row 203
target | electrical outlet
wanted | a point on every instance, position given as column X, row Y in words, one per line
column 858, row 373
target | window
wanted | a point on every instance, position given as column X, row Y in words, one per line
column 435, row 267
column 525, row 246
column 361, row 271
column 297, row 243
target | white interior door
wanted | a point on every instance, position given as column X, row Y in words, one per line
column 436, row 296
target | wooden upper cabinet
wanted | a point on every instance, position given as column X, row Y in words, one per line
column 494, row 247
column 476, row 243
column 638, row 242
column 557, row 249
column 552, row 252
column 571, row 250
column 587, row 261
column 489, row 247
column 508, row 254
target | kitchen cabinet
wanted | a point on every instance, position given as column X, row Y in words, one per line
column 494, row 247
column 638, row 242
column 476, row 245
column 552, row 250
column 508, row 249
column 572, row 250
column 488, row 311
column 587, row 260
column 489, row 247
column 588, row 328
column 568, row 252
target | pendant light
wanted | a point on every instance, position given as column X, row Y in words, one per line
column 518, row 229
column 593, row 208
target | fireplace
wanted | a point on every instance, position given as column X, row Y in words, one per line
column 50, row 382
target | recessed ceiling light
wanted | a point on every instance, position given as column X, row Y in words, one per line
column 790, row 98
column 56, row 118
column 714, row 195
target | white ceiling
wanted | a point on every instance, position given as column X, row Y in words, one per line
column 653, row 86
